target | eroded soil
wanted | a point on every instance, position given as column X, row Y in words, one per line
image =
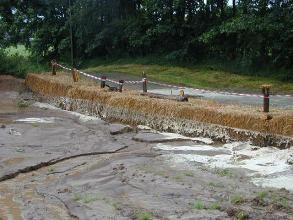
column 58, row 165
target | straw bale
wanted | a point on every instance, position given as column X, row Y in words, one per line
column 280, row 121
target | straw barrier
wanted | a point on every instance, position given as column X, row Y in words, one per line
column 278, row 122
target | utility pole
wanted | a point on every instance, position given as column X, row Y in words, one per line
column 71, row 34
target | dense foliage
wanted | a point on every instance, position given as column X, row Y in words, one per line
column 250, row 32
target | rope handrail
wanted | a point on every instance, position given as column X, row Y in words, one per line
column 98, row 78
column 204, row 90
column 219, row 92
column 170, row 86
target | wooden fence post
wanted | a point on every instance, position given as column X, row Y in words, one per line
column 144, row 83
column 77, row 75
column 53, row 64
column 182, row 96
column 74, row 75
column 103, row 81
column 120, row 85
column 266, row 97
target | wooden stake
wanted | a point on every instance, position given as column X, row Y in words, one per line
column 266, row 97
column 53, row 63
column 103, row 81
column 74, row 75
column 144, row 83
column 77, row 75
column 120, row 85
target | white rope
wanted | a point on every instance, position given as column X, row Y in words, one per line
column 166, row 85
column 205, row 90
column 290, row 96
column 133, row 82
column 63, row 67
column 113, row 81
column 88, row 75
column 170, row 86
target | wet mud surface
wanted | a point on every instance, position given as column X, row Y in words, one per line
column 59, row 165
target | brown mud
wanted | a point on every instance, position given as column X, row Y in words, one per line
column 127, row 180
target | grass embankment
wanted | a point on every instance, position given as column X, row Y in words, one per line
column 244, row 117
column 210, row 76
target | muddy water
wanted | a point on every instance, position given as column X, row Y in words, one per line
column 136, row 172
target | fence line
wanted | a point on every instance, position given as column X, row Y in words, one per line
column 205, row 90
column 168, row 85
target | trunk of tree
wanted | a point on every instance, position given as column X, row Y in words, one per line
column 234, row 8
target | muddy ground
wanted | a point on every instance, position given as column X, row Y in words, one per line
column 59, row 165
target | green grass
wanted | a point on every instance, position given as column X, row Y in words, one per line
column 22, row 104
column 194, row 75
column 262, row 195
column 237, row 199
column 219, row 185
column 198, row 204
column 144, row 216
column 215, row 205
column 282, row 202
column 240, row 216
column 188, row 173
column 278, row 201
column 223, row 172
column 86, row 198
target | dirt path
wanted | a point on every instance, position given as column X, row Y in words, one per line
column 81, row 171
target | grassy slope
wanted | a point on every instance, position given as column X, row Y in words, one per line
column 200, row 76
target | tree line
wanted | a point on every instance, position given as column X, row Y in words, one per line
column 250, row 32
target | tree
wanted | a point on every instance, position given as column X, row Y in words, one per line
column 260, row 33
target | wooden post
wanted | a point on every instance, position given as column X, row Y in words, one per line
column 74, row 75
column 181, row 93
column 182, row 96
column 103, row 81
column 53, row 63
column 120, row 85
column 144, row 83
column 266, row 97
column 77, row 75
